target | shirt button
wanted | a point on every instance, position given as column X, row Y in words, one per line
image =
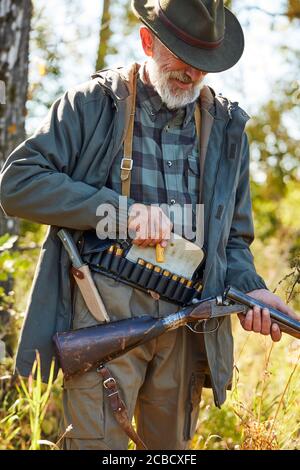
column 170, row 163
column 173, row 202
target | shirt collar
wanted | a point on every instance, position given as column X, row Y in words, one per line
column 151, row 101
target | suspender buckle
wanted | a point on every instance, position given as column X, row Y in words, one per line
column 126, row 166
column 110, row 382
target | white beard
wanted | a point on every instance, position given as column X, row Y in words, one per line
column 160, row 81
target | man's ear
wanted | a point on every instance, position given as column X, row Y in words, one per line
column 147, row 38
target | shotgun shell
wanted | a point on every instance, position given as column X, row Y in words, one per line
column 149, row 266
column 157, row 269
column 119, row 251
column 160, row 253
column 198, row 287
column 141, row 261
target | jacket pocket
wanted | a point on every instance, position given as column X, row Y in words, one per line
column 192, row 404
column 83, row 406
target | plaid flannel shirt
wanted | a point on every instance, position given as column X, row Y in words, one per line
column 166, row 168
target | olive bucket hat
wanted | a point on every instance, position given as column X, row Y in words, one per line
column 202, row 33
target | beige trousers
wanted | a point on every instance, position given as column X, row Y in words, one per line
column 160, row 381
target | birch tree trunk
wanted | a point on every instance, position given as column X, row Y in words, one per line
column 15, row 16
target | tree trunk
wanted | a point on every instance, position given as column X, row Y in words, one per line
column 105, row 34
column 15, row 16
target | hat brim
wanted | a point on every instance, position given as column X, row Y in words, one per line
column 207, row 60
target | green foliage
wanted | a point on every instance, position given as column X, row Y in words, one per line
column 45, row 64
column 116, row 25
column 23, row 422
column 262, row 412
column 104, row 37
column 217, row 429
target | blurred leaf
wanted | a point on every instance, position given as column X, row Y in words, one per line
column 7, row 242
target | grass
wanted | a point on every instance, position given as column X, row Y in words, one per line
column 30, row 407
column 263, row 409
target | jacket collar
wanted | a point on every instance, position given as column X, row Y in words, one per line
column 117, row 82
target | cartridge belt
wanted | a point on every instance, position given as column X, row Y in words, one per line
column 109, row 258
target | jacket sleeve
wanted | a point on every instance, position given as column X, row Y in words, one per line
column 241, row 272
column 35, row 182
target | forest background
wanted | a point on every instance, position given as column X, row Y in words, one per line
column 48, row 47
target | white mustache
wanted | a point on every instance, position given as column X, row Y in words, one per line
column 183, row 77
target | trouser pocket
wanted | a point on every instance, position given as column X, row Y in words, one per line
column 83, row 406
column 192, row 404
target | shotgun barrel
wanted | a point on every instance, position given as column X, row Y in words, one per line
column 287, row 324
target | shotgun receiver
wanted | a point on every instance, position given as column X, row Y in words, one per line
column 83, row 349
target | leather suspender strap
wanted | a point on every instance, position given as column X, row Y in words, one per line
column 127, row 162
column 118, row 407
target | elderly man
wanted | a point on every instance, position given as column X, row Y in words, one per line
column 76, row 162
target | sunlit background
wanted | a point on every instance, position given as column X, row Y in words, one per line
column 263, row 410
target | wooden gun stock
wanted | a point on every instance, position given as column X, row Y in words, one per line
column 80, row 350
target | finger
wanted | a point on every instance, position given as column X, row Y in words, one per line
column 241, row 318
column 275, row 332
column 133, row 229
column 256, row 320
column 265, row 322
column 165, row 230
column 160, row 225
column 248, row 322
column 145, row 243
column 137, row 242
column 153, row 234
column 286, row 309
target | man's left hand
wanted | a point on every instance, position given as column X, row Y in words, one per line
column 259, row 321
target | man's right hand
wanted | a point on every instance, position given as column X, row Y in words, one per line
column 148, row 225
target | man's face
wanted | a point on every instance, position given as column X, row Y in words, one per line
column 175, row 81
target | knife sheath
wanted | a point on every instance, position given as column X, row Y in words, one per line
column 90, row 293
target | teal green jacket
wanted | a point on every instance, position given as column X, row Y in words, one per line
column 57, row 177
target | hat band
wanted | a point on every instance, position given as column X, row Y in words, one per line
column 180, row 34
